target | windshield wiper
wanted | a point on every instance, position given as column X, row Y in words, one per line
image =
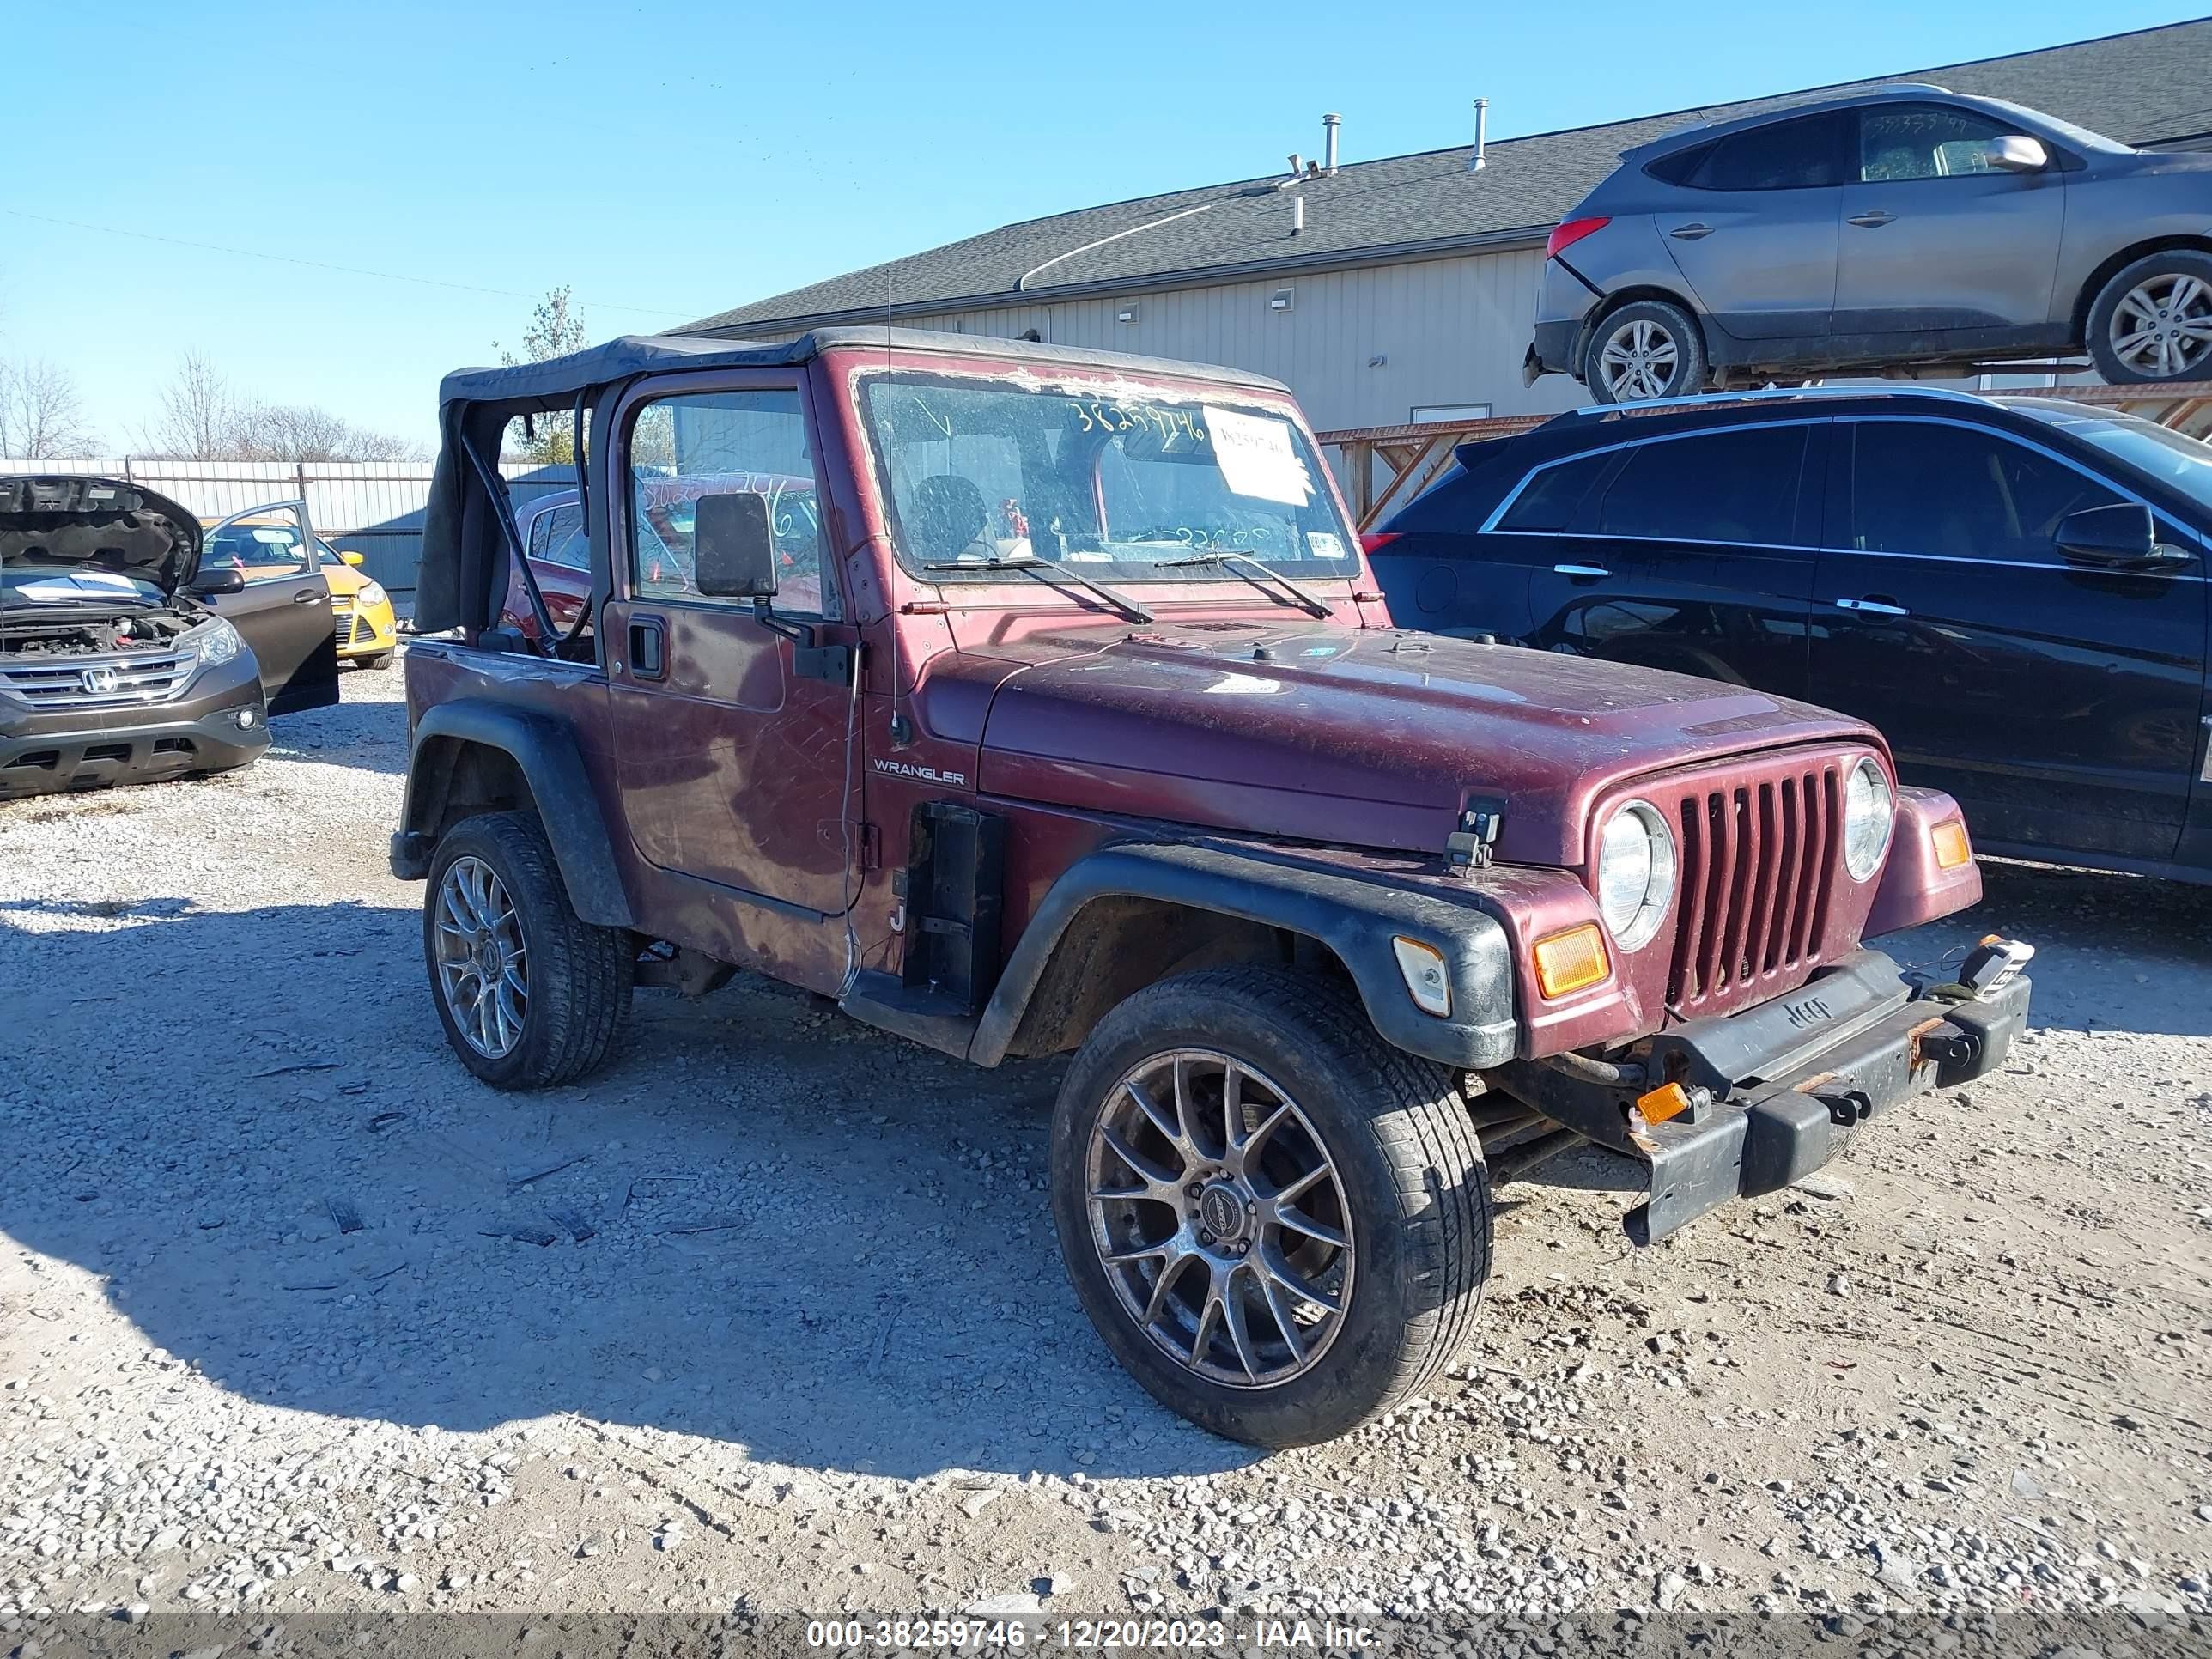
column 1036, row 566
column 1286, row 590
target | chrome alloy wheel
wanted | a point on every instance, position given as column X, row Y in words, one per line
column 1220, row 1219
column 2163, row 327
column 483, row 970
column 1638, row 360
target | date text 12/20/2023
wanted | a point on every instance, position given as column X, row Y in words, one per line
column 1085, row 1635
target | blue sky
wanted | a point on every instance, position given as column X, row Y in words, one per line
column 673, row 159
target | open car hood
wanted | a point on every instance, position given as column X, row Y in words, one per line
column 98, row 524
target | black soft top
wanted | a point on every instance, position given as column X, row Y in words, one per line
column 562, row 378
column 463, row 582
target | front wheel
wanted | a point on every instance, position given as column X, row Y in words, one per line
column 1648, row 349
column 530, row 993
column 1278, row 1224
column 2152, row 321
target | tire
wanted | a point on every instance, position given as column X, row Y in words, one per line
column 1644, row 329
column 2132, row 343
column 381, row 661
column 1406, row 1189
column 574, row 979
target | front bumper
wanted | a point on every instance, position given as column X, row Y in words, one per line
column 363, row 630
column 131, row 749
column 1792, row 1081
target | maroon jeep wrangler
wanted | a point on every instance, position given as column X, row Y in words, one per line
column 1031, row 702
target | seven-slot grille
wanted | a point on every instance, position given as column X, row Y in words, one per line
column 99, row 682
column 1759, row 861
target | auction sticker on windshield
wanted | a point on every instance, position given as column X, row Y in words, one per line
column 1256, row 457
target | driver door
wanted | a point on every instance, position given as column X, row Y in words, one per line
column 259, row 579
column 737, row 765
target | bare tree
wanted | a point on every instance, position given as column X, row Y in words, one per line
column 202, row 419
column 41, row 416
column 198, row 414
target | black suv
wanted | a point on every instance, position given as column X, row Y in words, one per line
column 2013, row 589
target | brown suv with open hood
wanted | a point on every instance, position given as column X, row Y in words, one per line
column 118, row 663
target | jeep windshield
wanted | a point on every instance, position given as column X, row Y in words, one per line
column 1128, row 486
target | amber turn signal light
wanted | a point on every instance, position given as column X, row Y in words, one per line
column 1571, row 960
column 1668, row 1100
column 1951, row 847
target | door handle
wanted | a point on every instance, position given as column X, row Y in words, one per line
column 1690, row 233
column 1873, row 218
column 304, row 597
column 1873, row 607
column 1585, row 572
column 648, row 656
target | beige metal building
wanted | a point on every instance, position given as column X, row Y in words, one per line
column 1401, row 289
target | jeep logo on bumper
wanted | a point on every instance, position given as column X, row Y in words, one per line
column 1807, row 1011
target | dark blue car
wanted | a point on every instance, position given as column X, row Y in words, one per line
column 2014, row 590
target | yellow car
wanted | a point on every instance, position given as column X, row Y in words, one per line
column 264, row 548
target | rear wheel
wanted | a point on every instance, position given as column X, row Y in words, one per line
column 1280, row 1224
column 1648, row 349
column 2152, row 321
column 530, row 994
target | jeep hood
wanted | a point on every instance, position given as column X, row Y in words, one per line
column 1363, row 738
column 94, row 526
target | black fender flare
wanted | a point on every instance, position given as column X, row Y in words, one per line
column 1356, row 917
column 546, row 753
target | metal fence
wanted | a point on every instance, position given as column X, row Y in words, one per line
column 371, row 508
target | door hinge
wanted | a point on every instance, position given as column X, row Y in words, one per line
column 871, row 847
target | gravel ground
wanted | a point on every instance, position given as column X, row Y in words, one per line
column 296, row 1317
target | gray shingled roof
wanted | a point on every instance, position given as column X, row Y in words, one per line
column 2150, row 86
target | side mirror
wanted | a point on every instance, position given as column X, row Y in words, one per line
column 2017, row 153
column 2121, row 536
column 227, row 580
column 350, row 556
column 734, row 552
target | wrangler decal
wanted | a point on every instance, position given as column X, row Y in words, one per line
column 923, row 773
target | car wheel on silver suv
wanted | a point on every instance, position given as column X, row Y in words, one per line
column 1648, row 349
column 530, row 993
column 2152, row 321
column 1279, row 1223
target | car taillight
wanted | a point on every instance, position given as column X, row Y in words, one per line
column 1570, row 233
column 1375, row 540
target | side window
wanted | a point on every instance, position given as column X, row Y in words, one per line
column 715, row 443
column 1923, row 141
column 1924, row 487
column 1801, row 154
column 1739, row 487
column 1549, row 500
column 565, row 543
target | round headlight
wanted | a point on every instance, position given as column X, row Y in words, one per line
column 1635, row 873
column 217, row 641
column 1869, row 812
column 374, row 593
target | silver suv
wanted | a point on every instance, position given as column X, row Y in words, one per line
column 1909, row 227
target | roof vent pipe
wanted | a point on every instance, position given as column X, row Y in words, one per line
column 1298, row 164
column 1482, row 135
column 1329, row 123
column 1298, row 215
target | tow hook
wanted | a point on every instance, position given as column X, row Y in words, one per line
column 1948, row 1049
column 1846, row 1107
